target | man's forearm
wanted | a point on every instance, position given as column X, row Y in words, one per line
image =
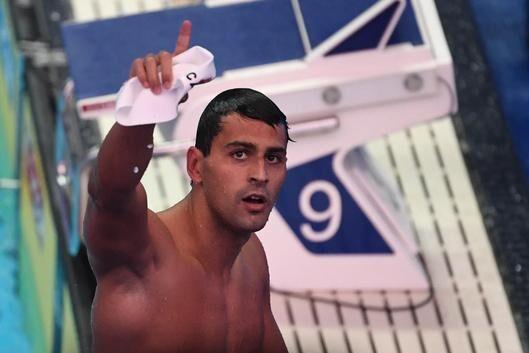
column 127, row 150
column 124, row 155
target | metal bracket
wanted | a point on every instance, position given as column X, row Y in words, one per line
column 42, row 55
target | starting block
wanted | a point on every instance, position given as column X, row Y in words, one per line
column 344, row 73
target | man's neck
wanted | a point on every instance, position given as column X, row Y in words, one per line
column 209, row 241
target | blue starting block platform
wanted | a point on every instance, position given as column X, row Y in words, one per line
column 239, row 35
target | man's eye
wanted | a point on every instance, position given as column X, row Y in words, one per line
column 272, row 158
column 239, row 154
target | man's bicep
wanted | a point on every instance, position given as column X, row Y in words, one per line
column 118, row 236
column 273, row 339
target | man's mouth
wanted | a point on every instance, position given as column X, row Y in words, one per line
column 255, row 202
column 255, row 199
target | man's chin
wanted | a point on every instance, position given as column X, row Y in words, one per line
column 258, row 228
column 255, row 224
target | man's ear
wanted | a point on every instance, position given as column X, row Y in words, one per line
column 195, row 161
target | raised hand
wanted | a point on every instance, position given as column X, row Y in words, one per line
column 147, row 69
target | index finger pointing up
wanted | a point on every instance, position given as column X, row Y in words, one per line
column 184, row 37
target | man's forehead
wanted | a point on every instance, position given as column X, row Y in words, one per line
column 234, row 125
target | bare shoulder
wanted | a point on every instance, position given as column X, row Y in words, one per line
column 255, row 253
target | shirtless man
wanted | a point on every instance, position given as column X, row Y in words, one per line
column 194, row 277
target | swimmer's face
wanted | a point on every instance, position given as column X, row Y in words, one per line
column 244, row 172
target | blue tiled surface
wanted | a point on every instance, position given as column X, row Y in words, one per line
column 503, row 27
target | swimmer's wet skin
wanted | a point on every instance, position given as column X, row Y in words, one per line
column 194, row 277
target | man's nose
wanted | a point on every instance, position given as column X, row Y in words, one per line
column 258, row 172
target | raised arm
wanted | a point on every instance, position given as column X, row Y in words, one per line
column 116, row 220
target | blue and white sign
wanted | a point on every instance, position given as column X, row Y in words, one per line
column 323, row 215
column 339, row 224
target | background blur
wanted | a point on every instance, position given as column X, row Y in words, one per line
column 47, row 285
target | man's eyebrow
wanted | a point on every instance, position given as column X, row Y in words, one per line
column 276, row 150
column 240, row 144
column 252, row 146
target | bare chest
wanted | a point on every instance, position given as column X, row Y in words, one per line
column 188, row 313
column 204, row 316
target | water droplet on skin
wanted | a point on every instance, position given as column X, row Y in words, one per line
column 150, row 146
column 136, row 170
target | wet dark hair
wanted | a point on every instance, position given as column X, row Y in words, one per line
column 244, row 101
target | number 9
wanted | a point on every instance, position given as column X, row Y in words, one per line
column 333, row 213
